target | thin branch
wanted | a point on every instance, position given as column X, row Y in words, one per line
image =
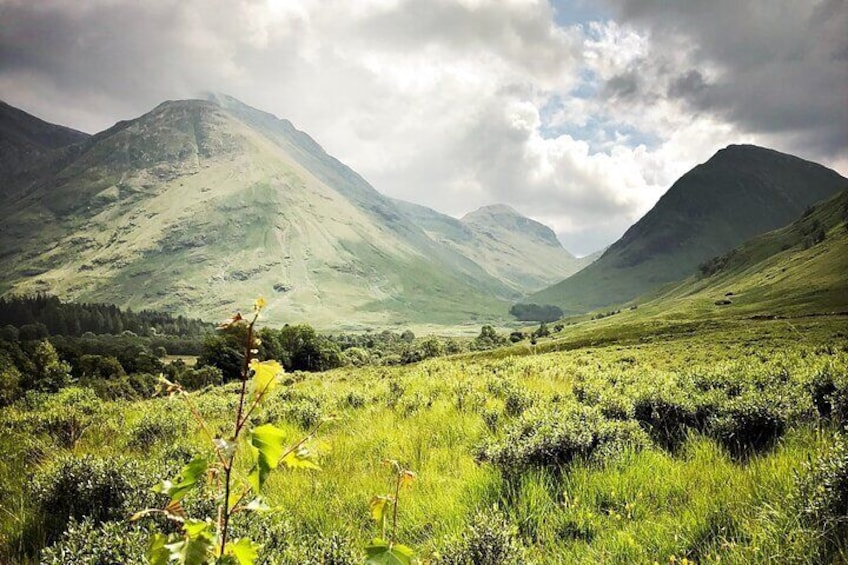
column 394, row 513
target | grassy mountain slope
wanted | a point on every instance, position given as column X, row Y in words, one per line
column 199, row 205
column 515, row 249
column 739, row 193
column 798, row 269
column 24, row 138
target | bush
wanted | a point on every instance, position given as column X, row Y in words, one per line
column 665, row 415
column 489, row 539
column 10, row 384
column 282, row 544
column 157, row 426
column 555, row 437
column 67, row 415
column 748, row 423
column 829, row 392
column 355, row 399
column 516, row 401
column 822, row 497
column 88, row 487
column 536, row 313
column 305, row 411
column 201, row 377
column 89, row 543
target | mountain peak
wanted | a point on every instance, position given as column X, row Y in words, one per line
column 741, row 192
column 24, row 138
column 504, row 218
column 492, row 210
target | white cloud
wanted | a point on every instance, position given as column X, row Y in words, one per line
column 452, row 104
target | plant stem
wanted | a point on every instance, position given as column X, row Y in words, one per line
column 394, row 511
column 244, row 372
column 228, row 468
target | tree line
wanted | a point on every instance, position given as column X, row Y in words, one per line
column 76, row 319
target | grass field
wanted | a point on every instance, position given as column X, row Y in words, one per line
column 617, row 442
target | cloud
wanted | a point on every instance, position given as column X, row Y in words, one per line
column 775, row 67
column 456, row 104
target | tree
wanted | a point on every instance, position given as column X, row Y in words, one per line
column 224, row 351
column 407, row 336
column 488, row 339
column 99, row 367
column 536, row 313
column 432, row 347
column 542, row 330
column 10, row 384
column 51, row 373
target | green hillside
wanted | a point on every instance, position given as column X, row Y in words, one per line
column 198, row 204
column 798, row 269
column 741, row 192
column 791, row 274
column 24, row 138
column 521, row 252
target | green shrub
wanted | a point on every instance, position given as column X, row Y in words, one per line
column 489, row 539
column 822, row 496
column 332, row 549
column 67, row 415
column 283, row 544
column 516, row 401
column 88, row 487
column 300, row 409
column 201, row 377
column 157, row 426
column 554, row 437
column 89, row 543
column 354, row 399
column 666, row 415
column 748, row 423
column 10, row 384
column 828, row 389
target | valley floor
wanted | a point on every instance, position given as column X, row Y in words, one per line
column 657, row 441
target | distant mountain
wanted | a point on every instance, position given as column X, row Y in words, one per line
column 24, row 138
column 521, row 252
column 797, row 269
column 200, row 205
column 741, row 192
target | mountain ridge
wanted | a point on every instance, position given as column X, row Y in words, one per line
column 740, row 192
column 199, row 205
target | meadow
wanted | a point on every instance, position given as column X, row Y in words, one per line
column 715, row 442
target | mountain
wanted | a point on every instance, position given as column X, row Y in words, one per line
column 741, row 192
column 24, row 138
column 797, row 269
column 521, row 252
column 200, row 205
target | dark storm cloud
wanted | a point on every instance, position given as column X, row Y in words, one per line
column 120, row 58
column 770, row 66
column 624, row 85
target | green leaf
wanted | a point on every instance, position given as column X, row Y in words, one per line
column 195, row 528
column 157, row 553
column 190, row 476
column 268, row 442
column 244, row 550
column 266, row 376
column 381, row 552
column 300, row 458
column 378, row 507
column 191, row 551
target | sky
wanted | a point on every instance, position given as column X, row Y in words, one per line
column 577, row 113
